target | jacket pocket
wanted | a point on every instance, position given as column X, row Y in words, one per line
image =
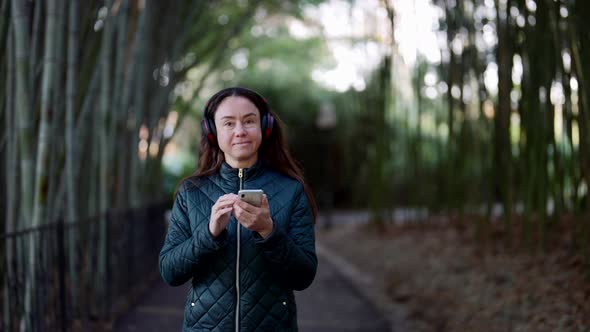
column 289, row 317
column 189, row 308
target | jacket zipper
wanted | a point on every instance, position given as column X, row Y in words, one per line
column 241, row 176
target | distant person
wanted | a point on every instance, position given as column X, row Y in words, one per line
column 243, row 261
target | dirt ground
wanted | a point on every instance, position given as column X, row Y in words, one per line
column 447, row 281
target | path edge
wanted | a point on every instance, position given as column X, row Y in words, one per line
column 365, row 286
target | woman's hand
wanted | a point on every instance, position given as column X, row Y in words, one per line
column 256, row 219
column 220, row 213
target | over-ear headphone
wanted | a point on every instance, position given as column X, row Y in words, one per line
column 266, row 119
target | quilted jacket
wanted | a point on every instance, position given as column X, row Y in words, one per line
column 259, row 297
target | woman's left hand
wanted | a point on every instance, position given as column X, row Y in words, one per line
column 256, row 219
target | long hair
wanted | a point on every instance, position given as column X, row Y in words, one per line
column 273, row 151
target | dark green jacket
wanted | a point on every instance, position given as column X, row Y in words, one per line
column 269, row 269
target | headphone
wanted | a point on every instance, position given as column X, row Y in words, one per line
column 266, row 119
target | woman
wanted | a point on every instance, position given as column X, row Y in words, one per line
column 244, row 261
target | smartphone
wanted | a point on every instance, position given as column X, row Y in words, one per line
column 251, row 196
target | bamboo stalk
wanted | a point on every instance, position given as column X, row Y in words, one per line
column 49, row 71
column 20, row 21
column 503, row 144
column 123, row 163
column 41, row 172
column 71, row 156
column 118, row 123
column 4, row 28
column 449, row 175
column 584, row 128
column 57, row 125
column 104, row 166
column 35, row 66
column 11, row 179
column 140, row 49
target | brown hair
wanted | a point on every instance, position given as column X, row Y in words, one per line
column 273, row 151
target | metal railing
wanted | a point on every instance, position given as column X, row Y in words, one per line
column 78, row 276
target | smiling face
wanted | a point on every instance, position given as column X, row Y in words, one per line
column 239, row 136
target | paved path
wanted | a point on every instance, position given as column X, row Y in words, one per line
column 329, row 305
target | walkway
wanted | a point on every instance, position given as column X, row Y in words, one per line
column 331, row 304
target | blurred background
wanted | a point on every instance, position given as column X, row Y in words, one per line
column 472, row 115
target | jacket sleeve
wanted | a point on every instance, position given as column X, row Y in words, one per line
column 183, row 251
column 292, row 253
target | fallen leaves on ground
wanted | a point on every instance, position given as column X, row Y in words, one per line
column 447, row 281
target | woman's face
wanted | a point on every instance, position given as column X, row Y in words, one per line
column 239, row 136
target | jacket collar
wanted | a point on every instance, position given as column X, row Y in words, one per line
column 230, row 174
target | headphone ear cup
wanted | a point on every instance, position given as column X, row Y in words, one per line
column 267, row 124
column 208, row 130
column 212, row 127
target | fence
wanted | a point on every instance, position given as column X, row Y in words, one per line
column 76, row 276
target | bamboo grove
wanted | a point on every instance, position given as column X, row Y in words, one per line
column 495, row 133
column 535, row 127
column 499, row 127
column 89, row 99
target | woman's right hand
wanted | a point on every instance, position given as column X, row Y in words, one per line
column 220, row 213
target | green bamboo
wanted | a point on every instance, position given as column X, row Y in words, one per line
column 41, row 171
column 49, row 71
column 84, row 148
column 119, row 113
column 20, row 21
column 559, row 156
column 123, row 163
column 82, row 127
column 462, row 139
column 36, row 67
column 104, row 166
column 528, row 169
column 536, row 128
column 92, row 173
column 579, row 53
column 581, row 50
column 571, row 154
column 11, row 176
column 4, row 29
column 502, row 118
column 450, row 80
column 57, row 125
column 140, row 49
column 378, row 188
column 546, row 117
column 415, row 144
column 71, row 157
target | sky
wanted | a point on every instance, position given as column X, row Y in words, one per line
column 416, row 23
